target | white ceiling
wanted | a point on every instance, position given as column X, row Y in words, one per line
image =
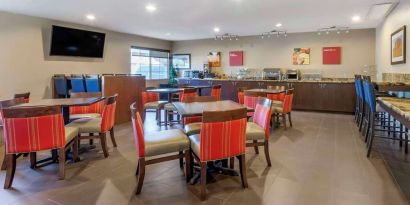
column 195, row 19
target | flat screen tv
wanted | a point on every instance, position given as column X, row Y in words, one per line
column 75, row 42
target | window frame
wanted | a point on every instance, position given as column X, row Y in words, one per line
column 169, row 58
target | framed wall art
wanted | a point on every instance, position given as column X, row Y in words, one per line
column 398, row 46
column 181, row 61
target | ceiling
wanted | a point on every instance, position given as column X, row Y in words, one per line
column 195, row 19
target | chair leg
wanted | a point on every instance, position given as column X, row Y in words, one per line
column 188, row 165
column 11, row 169
column 33, row 160
column 91, row 140
column 256, row 147
column 266, row 146
column 61, row 164
column 242, row 170
column 181, row 161
column 166, row 118
column 290, row 119
column 141, row 175
column 371, row 126
column 231, row 163
column 284, row 120
column 203, row 181
column 75, row 149
column 138, row 169
column 114, row 143
column 4, row 163
column 103, row 141
column 406, row 141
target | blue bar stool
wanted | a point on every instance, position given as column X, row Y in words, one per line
column 92, row 83
column 60, row 86
column 77, row 83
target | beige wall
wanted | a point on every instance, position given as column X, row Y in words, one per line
column 26, row 66
column 398, row 17
column 357, row 50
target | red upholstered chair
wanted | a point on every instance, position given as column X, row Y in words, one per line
column 258, row 130
column 100, row 125
column 283, row 108
column 24, row 96
column 251, row 99
column 241, row 95
column 223, row 136
column 165, row 142
column 192, row 125
column 33, row 129
column 216, row 91
column 279, row 96
column 90, row 111
column 183, row 94
column 151, row 101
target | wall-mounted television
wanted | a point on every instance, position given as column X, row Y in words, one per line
column 75, row 42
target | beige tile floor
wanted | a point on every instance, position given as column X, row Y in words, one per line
column 321, row 160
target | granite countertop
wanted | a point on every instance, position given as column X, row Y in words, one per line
column 394, row 83
column 399, row 105
column 279, row 81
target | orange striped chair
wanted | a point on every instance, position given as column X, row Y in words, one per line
column 24, row 96
column 283, row 108
column 241, row 95
column 216, row 91
column 279, row 96
column 166, row 142
column 251, row 99
column 192, row 125
column 151, row 101
column 258, row 130
column 223, row 136
column 90, row 111
column 99, row 125
column 170, row 108
column 33, row 129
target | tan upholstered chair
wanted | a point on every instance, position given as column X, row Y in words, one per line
column 192, row 125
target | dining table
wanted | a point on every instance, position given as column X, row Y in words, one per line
column 265, row 91
column 200, row 88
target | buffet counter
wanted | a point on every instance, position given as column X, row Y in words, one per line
column 326, row 95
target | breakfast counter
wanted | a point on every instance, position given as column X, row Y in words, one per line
column 325, row 95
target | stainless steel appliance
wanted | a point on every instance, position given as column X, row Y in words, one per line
column 197, row 74
column 292, row 74
column 311, row 76
column 272, row 74
column 187, row 74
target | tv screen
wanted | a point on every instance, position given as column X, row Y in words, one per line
column 75, row 42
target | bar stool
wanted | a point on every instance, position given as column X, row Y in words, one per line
column 77, row 83
column 216, row 91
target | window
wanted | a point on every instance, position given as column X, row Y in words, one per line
column 151, row 63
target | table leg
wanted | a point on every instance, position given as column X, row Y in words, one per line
column 170, row 117
column 66, row 114
column 199, row 91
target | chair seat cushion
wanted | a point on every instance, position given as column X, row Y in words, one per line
column 85, row 115
column 277, row 103
column 87, row 125
column 254, row 131
column 192, row 128
column 70, row 133
column 164, row 142
column 277, row 109
column 170, row 107
column 155, row 104
column 195, row 144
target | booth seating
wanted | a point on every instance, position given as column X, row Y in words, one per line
column 77, row 83
column 92, row 83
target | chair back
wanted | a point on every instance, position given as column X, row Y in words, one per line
column 369, row 93
column 147, row 97
column 223, row 134
column 358, row 86
column 288, row 101
column 60, row 85
column 190, row 99
column 186, row 92
column 77, row 83
column 108, row 114
column 92, row 83
column 262, row 114
column 251, row 98
column 241, row 95
column 8, row 103
column 24, row 96
column 31, row 129
column 216, row 91
column 138, row 131
column 97, row 107
column 276, row 96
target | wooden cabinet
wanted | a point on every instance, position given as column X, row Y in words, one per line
column 311, row 96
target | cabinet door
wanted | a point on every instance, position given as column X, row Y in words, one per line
column 341, row 97
column 306, row 96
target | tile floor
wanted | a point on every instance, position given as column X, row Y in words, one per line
column 321, row 160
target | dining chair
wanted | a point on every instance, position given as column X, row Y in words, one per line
column 222, row 136
column 100, row 125
column 174, row 144
column 192, row 125
column 3, row 105
column 34, row 129
column 151, row 101
column 278, row 96
column 251, row 99
column 77, row 83
column 24, row 96
column 258, row 131
column 92, row 83
column 60, row 86
column 283, row 108
column 241, row 95
column 216, row 91
column 88, row 111
column 170, row 108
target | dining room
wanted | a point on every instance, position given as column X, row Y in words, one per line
column 232, row 102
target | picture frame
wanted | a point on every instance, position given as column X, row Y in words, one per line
column 398, row 46
column 181, row 61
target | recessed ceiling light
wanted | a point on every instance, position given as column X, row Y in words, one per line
column 278, row 25
column 90, row 17
column 151, row 8
column 356, row 18
column 168, row 34
column 216, row 29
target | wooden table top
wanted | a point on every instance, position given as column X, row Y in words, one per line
column 165, row 90
column 197, row 108
column 268, row 91
column 63, row 102
column 200, row 86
